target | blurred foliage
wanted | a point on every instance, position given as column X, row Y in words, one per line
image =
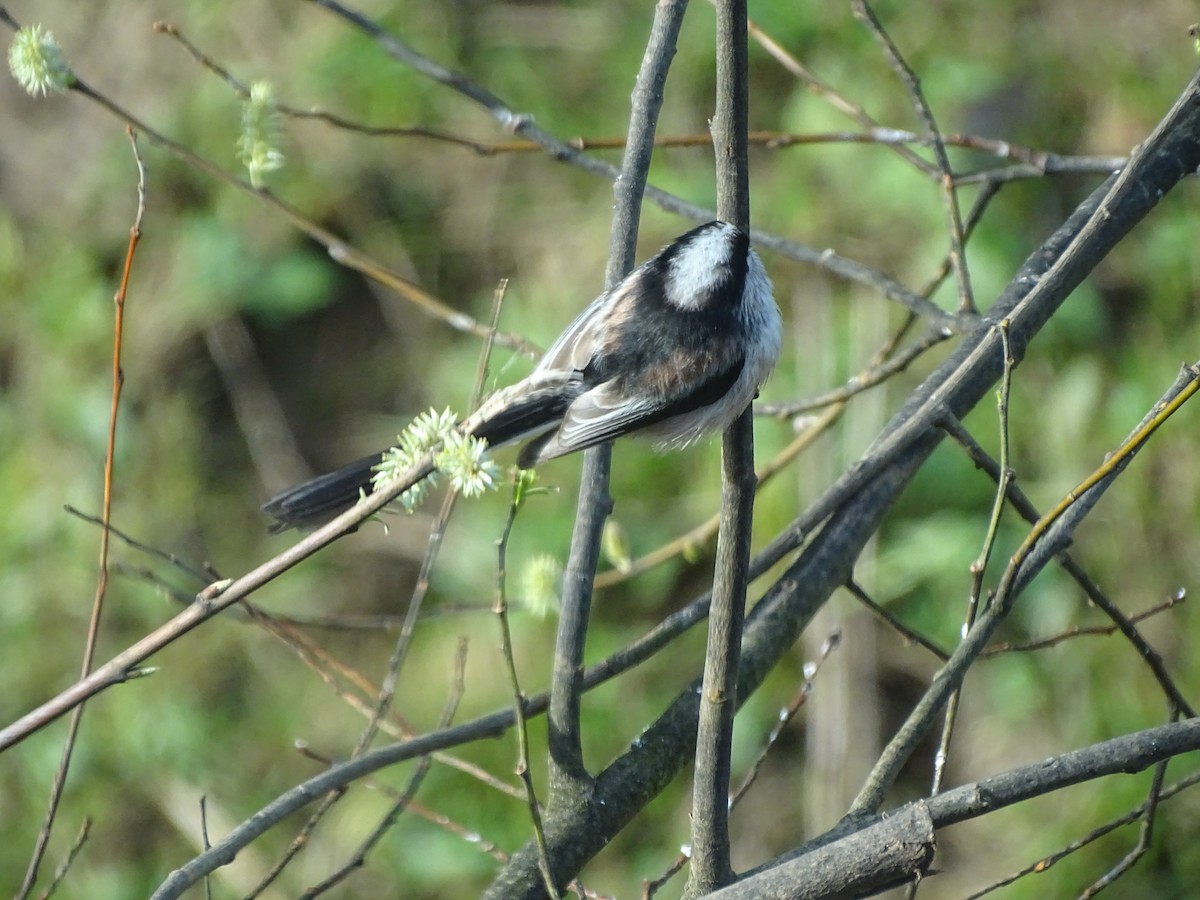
column 345, row 363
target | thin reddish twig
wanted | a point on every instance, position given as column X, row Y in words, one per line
column 89, row 649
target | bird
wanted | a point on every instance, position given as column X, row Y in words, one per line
column 677, row 349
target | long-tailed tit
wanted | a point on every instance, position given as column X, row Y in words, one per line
column 676, row 350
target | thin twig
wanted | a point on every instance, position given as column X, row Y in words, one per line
column 440, row 819
column 811, row 669
column 867, row 378
column 500, row 608
column 913, row 637
column 1145, row 835
column 64, row 867
column 93, row 633
column 987, row 193
column 1029, row 512
column 204, row 841
column 1044, row 540
column 979, row 567
column 652, row 886
column 958, row 258
column 1084, row 630
column 194, row 572
column 358, row 859
column 243, row 89
column 1045, row 863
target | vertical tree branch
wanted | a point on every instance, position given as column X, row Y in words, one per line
column 569, row 779
column 729, row 123
column 711, row 867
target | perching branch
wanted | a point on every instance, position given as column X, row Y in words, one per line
column 711, row 867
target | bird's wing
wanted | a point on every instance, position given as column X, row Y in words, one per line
column 537, row 403
column 525, row 409
column 584, row 338
column 615, row 408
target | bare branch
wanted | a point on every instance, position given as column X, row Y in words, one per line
column 958, row 259
column 569, row 778
column 1045, row 539
column 1044, row 864
column 711, row 867
column 829, row 863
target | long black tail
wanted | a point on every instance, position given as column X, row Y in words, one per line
column 523, row 412
column 317, row 501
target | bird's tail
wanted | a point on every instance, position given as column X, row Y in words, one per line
column 524, row 411
column 315, row 502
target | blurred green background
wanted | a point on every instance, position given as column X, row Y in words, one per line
column 251, row 360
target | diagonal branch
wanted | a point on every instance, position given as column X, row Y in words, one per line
column 860, row 855
column 1048, row 536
